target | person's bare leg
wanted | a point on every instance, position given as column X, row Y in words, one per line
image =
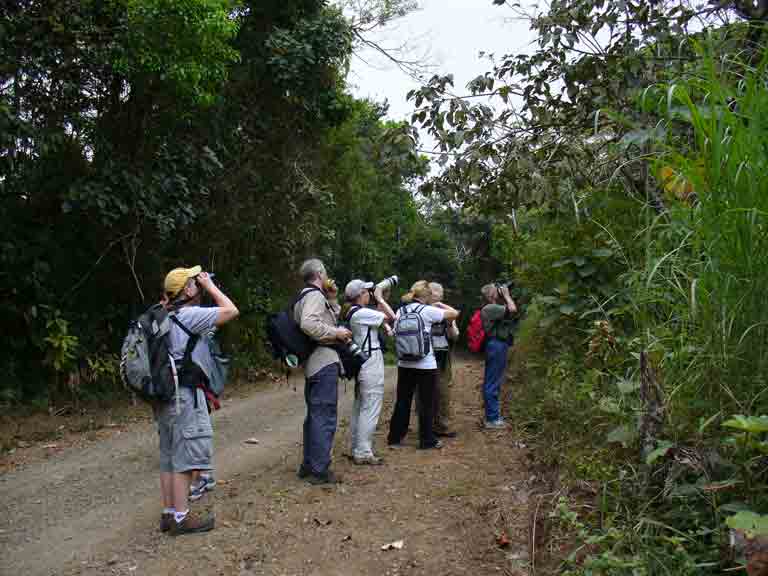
column 166, row 489
column 181, row 481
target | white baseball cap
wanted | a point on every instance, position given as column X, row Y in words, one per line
column 355, row 288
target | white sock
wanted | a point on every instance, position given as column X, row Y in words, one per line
column 179, row 516
column 169, row 510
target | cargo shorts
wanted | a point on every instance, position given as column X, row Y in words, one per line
column 186, row 434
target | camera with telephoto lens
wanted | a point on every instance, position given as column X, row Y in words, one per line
column 388, row 283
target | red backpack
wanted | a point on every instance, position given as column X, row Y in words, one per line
column 475, row 333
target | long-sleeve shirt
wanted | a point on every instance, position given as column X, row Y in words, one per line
column 317, row 319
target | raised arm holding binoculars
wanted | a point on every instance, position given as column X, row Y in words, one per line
column 498, row 324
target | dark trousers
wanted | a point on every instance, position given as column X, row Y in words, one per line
column 442, row 402
column 321, row 395
column 410, row 380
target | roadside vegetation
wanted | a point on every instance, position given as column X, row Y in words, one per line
column 624, row 161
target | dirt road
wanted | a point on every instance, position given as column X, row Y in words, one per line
column 93, row 509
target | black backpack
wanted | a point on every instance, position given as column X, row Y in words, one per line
column 286, row 337
column 193, row 376
column 352, row 363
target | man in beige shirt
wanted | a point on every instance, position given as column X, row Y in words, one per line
column 316, row 313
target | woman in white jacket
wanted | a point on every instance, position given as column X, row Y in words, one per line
column 364, row 322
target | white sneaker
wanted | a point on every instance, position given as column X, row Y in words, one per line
column 496, row 424
column 203, row 485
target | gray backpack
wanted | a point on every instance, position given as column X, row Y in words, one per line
column 412, row 341
column 146, row 365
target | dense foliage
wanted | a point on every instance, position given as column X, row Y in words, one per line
column 140, row 135
column 622, row 165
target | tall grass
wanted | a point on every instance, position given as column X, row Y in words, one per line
column 693, row 293
column 718, row 274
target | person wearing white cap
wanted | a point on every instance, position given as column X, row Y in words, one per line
column 369, row 385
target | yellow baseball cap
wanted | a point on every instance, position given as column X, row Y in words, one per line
column 177, row 278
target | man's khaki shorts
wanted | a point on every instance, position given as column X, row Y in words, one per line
column 186, row 437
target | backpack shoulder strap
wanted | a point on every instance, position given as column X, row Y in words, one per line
column 191, row 341
column 352, row 310
column 304, row 291
column 404, row 310
column 367, row 340
column 178, row 323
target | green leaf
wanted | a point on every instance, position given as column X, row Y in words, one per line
column 623, row 435
column 609, row 405
column 626, row 386
column 734, row 507
column 602, row 252
column 661, row 450
column 561, row 263
column 751, row 424
column 751, row 523
column 587, row 271
column 551, row 300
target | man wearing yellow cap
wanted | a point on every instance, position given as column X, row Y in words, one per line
column 184, row 425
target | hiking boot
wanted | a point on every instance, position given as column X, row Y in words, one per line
column 327, row 478
column 368, row 460
column 203, row 485
column 193, row 524
column 495, row 424
column 303, row 472
column 445, row 433
column 166, row 521
column 436, row 446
